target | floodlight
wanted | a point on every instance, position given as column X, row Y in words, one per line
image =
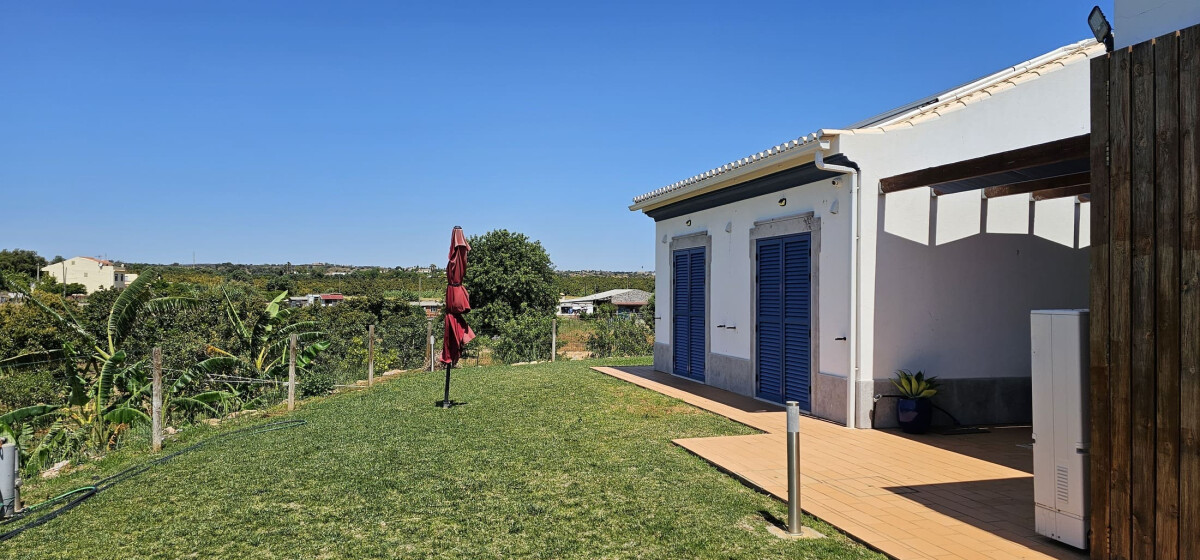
column 1100, row 28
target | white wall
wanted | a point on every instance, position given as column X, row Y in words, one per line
column 1141, row 20
column 731, row 300
column 933, row 270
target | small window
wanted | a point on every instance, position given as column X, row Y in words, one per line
column 85, row 275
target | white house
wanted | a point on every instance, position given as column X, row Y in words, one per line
column 918, row 239
column 94, row 274
column 625, row 300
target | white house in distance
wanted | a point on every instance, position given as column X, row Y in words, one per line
column 626, row 301
column 93, row 273
column 919, row 239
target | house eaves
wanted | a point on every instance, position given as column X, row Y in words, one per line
column 789, row 154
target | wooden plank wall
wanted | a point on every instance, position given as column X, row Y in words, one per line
column 1145, row 300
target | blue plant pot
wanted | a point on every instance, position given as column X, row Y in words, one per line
column 914, row 415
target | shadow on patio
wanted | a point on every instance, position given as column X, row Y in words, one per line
column 929, row 496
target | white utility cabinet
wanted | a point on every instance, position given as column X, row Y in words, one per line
column 1060, row 424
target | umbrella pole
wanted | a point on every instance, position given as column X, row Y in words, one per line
column 446, row 400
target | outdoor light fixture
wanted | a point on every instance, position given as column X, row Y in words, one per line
column 664, row 238
column 728, row 227
column 688, row 223
column 1100, row 28
column 783, row 202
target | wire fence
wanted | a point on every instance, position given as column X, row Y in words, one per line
column 365, row 358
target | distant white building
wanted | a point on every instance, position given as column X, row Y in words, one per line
column 94, row 274
column 626, row 300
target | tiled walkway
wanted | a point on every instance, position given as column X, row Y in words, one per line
column 929, row 496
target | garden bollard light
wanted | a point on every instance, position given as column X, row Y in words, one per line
column 793, row 466
column 10, row 482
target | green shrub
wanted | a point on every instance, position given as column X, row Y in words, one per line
column 316, row 381
column 524, row 338
column 620, row 336
column 22, row 388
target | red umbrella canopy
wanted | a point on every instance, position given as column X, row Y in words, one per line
column 458, row 333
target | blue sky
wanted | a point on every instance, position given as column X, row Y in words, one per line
column 340, row 131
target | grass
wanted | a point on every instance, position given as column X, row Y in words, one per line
column 545, row 461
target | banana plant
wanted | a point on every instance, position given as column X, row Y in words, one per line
column 264, row 342
column 17, row 426
column 101, row 363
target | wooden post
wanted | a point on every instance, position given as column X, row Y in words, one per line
column 553, row 338
column 292, row 372
column 156, row 402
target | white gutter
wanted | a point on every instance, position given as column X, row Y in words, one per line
column 852, row 336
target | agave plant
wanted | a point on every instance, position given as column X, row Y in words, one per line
column 264, row 342
column 915, row 386
column 94, row 404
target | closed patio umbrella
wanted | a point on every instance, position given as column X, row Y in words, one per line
column 458, row 333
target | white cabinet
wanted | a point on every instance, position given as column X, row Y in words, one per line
column 1060, row 424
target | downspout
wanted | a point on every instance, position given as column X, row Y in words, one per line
column 853, row 374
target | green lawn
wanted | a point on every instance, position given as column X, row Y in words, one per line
column 545, row 461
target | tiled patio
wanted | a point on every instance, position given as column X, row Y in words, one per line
column 929, row 496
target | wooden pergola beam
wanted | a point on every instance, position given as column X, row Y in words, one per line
column 1062, row 192
column 1076, row 147
column 1045, row 184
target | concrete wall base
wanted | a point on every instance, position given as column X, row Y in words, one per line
column 829, row 397
column 730, row 373
column 993, row 400
column 662, row 357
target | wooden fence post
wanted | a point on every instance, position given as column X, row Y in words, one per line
column 156, row 402
column 553, row 338
column 370, row 355
column 292, row 372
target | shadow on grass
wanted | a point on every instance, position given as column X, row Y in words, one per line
column 453, row 403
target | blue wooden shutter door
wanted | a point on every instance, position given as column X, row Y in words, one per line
column 783, row 324
column 696, row 330
column 687, row 306
column 796, row 332
column 770, row 320
column 680, row 316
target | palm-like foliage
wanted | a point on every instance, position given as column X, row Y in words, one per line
column 263, row 338
column 915, row 386
column 93, row 404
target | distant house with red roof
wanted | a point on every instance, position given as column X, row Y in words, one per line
column 328, row 300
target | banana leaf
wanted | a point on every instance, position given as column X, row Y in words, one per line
column 28, row 412
column 126, row 415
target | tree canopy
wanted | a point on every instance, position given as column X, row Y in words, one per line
column 23, row 261
column 507, row 274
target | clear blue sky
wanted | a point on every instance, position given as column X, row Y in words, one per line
column 341, row 131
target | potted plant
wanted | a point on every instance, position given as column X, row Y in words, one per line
column 914, row 410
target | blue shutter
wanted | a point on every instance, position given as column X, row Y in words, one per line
column 797, row 293
column 680, row 317
column 769, row 327
column 783, row 319
column 696, row 333
column 687, row 309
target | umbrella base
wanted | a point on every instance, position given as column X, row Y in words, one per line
column 448, row 404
